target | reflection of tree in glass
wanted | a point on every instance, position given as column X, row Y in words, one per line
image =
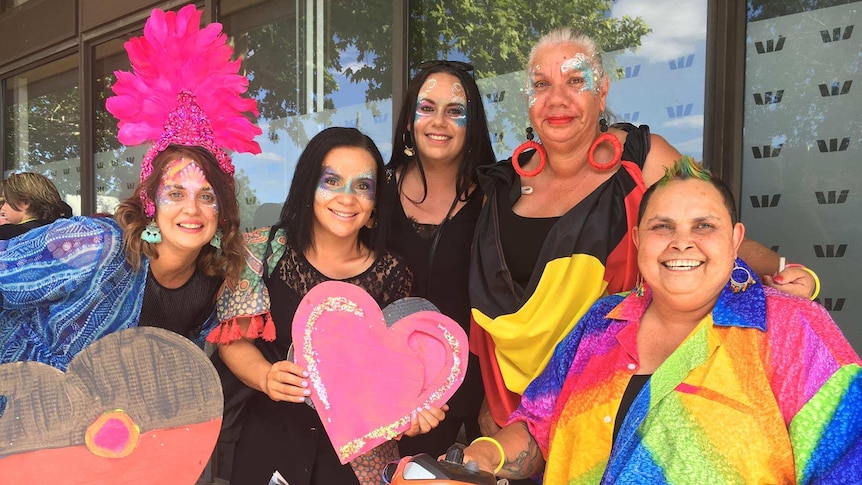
column 53, row 127
column 277, row 77
column 765, row 9
column 105, row 123
column 247, row 199
column 494, row 36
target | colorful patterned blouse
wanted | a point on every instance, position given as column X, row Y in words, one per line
column 766, row 389
column 65, row 285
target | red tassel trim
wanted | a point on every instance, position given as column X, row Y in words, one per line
column 225, row 331
column 230, row 330
column 214, row 334
column 255, row 327
column 269, row 329
column 235, row 331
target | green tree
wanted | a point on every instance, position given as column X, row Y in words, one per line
column 494, row 35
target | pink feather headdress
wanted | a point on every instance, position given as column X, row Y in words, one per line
column 184, row 90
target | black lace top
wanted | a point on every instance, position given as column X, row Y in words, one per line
column 386, row 280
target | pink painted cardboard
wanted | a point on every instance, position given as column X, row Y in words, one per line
column 368, row 378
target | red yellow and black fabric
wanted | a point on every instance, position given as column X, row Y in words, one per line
column 586, row 255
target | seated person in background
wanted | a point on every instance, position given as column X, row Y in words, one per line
column 31, row 201
column 699, row 375
column 65, row 210
column 3, row 219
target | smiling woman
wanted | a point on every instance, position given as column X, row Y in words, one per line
column 699, row 375
column 161, row 259
column 441, row 136
column 330, row 228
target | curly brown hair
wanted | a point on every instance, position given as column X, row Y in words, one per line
column 130, row 215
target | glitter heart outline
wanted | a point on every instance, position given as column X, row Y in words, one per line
column 333, row 301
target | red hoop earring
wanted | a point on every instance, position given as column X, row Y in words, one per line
column 618, row 152
column 529, row 144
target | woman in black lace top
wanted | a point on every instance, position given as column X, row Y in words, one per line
column 327, row 231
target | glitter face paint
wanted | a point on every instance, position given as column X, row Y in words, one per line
column 580, row 64
column 183, row 178
column 333, row 183
column 455, row 106
column 531, row 85
column 580, row 71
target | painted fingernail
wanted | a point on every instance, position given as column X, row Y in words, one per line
column 305, row 373
column 778, row 279
column 306, row 392
column 428, row 407
column 304, row 384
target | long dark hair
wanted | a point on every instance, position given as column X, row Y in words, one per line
column 297, row 214
column 477, row 142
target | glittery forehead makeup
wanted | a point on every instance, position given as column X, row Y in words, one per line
column 585, row 65
column 458, row 94
column 184, row 174
column 427, row 87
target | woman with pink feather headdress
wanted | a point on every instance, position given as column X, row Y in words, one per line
column 164, row 255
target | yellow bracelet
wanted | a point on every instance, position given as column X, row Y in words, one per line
column 499, row 448
column 816, row 281
column 813, row 275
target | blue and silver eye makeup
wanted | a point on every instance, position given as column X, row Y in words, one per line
column 580, row 72
column 333, row 183
column 581, row 64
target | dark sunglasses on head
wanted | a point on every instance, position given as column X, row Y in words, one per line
column 461, row 66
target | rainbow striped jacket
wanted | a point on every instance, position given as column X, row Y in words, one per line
column 765, row 389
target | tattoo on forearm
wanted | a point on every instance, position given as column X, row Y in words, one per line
column 529, row 461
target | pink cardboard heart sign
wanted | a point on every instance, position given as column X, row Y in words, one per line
column 367, row 377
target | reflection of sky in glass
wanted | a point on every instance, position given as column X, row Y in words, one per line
column 666, row 93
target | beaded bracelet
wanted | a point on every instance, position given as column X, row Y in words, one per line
column 813, row 275
column 499, row 448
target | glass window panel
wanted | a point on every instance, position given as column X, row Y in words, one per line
column 311, row 64
column 801, row 143
column 118, row 167
column 661, row 83
column 10, row 4
column 42, row 125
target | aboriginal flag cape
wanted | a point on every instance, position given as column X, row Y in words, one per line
column 587, row 254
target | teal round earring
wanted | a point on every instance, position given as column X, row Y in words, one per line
column 151, row 233
column 216, row 240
